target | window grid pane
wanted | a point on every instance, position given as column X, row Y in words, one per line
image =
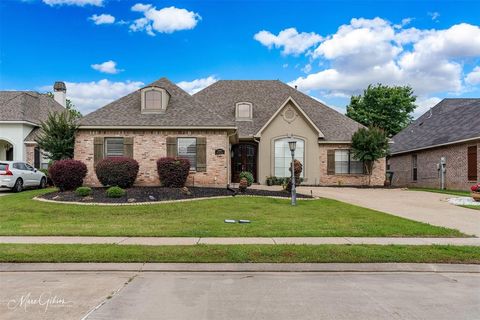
column 187, row 149
column 153, row 100
column 114, row 147
column 283, row 156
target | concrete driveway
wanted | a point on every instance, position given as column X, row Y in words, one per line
column 421, row 206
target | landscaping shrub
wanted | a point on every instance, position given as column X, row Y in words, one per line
column 247, row 175
column 173, row 172
column 115, row 192
column 243, row 185
column 67, row 174
column 298, row 167
column 117, row 171
column 49, row 180
column 83, row 191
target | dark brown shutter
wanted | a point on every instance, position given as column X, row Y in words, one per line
column 202, row 154
column 171, row 147
column 128, row 147
column 330, row 162
column 97, row 149
column 472, row 163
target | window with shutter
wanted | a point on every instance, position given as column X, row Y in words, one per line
column 472, row 163
column 414, row 168
column 187, row 149
column 345, row 163
column 114, row 147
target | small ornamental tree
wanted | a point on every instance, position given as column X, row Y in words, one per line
column 57, row 138
column 117, row 171
column 298, row 168
column 368, row 146
column 67, row 174
column 173, row 172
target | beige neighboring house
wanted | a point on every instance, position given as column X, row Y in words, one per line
column 21, row 114
column 449, row 133
column 227, row 128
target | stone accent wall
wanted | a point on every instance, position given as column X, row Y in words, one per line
column 30, row 153
column 456, row 177
column 150, row 145
column 377, row 178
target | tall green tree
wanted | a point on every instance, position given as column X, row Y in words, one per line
column 388, row 108
column 57, row 138
column 369, row 145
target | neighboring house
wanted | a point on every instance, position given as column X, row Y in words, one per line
column 229, row 127
column 450, row 130
column 21, row 114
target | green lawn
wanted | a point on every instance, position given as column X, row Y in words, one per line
column 460, row 193
column 238, row 253
column 472, row 207
column 20, row 215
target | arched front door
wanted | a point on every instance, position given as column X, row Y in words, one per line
column 244, row 158
column 6, row 150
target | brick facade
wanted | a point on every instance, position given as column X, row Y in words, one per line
column 377, row 178
column 427, row 174
column 150, row 145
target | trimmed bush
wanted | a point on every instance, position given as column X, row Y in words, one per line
column 117, row 171
column 67, row 174
column 247, row 175
column 298, row 168
column 83, row 191
column 115, row 192
column 243, row 185
column 173, row 172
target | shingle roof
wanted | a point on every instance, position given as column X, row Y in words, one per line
column 27, row 106
column 449, row 121
column 183, row 110
column 267, row 96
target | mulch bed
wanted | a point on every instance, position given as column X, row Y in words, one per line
column 153, row 194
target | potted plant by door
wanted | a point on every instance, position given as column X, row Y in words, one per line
column 476, row 192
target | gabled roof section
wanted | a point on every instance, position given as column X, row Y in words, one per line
column 290, row 99
column 267, row 97
column 183, row 111
column 27, row 106
column 450, row 121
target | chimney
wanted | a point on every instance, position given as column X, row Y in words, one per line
column 60, row 93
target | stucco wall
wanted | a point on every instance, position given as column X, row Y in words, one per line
column 280, row 128
column 15, row 133
column 456, row 176
column 149, row 146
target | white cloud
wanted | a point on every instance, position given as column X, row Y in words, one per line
column 369, row 51
column 89, row 96
column 434, row 15
column 473, row 77
column 109, row 66
column 307, row 68
column 292, row 42
column 196, row 85
column 424, row 104
column 79, row 3
column 166, row 20
column 102, row 19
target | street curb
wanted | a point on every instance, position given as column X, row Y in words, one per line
column 240, row 267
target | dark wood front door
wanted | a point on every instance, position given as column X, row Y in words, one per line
column 244, row 158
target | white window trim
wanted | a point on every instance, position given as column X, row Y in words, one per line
column 305, row 154
column 237, row 117
column 349, row 161
column 179, row 156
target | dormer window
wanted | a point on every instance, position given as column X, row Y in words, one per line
column 154, row 100
column 243, row 111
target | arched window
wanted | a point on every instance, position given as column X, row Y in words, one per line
column 154, row 100
column 244, row 111
column 283, row 156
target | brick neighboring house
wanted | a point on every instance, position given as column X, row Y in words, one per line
column 451, row 129
column 228, row 127
column 21, row 114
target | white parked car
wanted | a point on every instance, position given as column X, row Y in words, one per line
column 18, row 175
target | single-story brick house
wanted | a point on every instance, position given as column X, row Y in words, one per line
column 228, row 127
column 450, row 130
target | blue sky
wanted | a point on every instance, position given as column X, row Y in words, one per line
column 104, row 49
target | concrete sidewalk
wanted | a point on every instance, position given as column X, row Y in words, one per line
column 168, row 241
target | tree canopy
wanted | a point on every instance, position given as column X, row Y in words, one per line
column 388, row 108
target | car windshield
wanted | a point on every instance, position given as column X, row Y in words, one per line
column 3, row 166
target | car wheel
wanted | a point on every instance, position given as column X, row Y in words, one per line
column 43, row 183
column 18, row 187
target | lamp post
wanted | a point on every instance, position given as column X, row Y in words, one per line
column 292, row 145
